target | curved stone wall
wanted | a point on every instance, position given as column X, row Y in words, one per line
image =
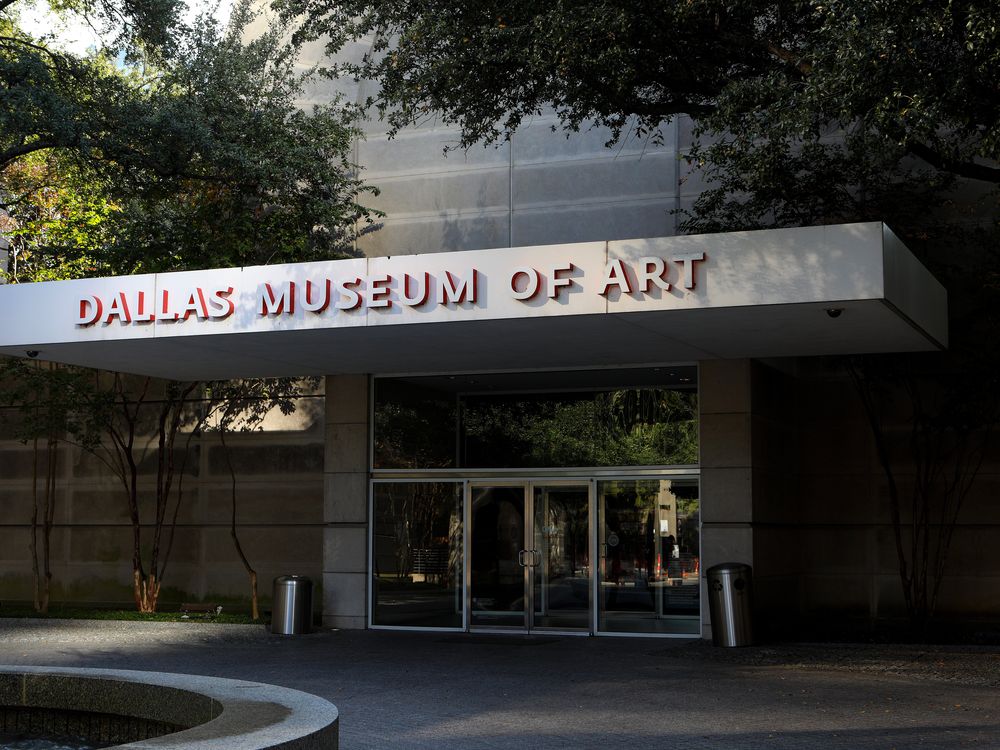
column 164, row 711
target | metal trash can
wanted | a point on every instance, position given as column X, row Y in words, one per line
column 730, row 602
column 291, row 607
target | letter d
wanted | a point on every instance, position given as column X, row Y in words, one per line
column 91, row 309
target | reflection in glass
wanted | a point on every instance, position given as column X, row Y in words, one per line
column 430, row 423
column 561, row 559
column 649, row 548
column 417, row 554
column 627, row 427
column 497, row 557
column 414, row 426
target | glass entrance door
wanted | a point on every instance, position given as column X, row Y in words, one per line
column 498, row 557
column 530, row 557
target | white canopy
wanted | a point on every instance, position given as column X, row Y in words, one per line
column 789, row 292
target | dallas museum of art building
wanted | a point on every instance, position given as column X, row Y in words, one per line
column 539, row 409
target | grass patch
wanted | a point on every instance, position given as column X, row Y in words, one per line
column 59, row 612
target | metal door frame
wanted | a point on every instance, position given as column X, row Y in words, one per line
column 528, row 486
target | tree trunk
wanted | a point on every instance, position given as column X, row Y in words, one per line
column 49, row 521
column 251, row 573
column 146, row 591
column 33, row 542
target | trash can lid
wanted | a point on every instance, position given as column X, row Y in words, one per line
column 292, row 578
column 729, row 567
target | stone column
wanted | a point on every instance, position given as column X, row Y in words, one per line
column 345, row 507
column 724, row 393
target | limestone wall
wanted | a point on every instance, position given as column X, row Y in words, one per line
column 279, row 510
column 822, row 536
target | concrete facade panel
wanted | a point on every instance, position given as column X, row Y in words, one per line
column 103, row 544
column 16, row 505
column 255, row 504
column 266, row 459
column 585, row 223
column 724, row 440
column 845, row 595
column 14, row 544
column 596, row 181
column 109, row 504
column 974, row 596
column 535, row 142
column 726, row 543
column 345, row 549
column 431, row 194
column 347, row 447
column 837, row 499
column 833, row 443
column 775, row 443
column 725, row 494
column 289, row 545
column 346, row 399
column 776, row 494
column 777, row 551
column 345, row 595
column 446, row 232
column 422, row 152
column 346, row 497
column 836, row 549
column 723, row 386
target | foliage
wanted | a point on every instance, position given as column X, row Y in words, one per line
column 415, row 428
column 920, row 78
column 52, row 204
column 620, row 428
column 197, row 154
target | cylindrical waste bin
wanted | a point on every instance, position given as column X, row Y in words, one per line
column 730, row 602
column 291, row 607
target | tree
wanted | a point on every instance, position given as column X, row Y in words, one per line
column 197, row 141
column 48, row 396
column 805, row 112
column 919, row 76
column 175, row 146
column 242, row 406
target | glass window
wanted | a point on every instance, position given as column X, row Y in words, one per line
column 415, row 426
column 497, row 421
column 628, row 427
column 649, row 556
column 417, row 554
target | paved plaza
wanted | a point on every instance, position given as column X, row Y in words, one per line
column 440, row 690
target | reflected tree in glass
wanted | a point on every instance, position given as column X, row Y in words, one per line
column 417, row 558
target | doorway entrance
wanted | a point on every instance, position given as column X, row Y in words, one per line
column 529, row 563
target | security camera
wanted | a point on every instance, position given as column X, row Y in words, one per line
column 834, row 312
column 32, row 353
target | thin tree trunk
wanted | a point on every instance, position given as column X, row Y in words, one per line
column 33, row 543
column 50, row 511
column 251, row 573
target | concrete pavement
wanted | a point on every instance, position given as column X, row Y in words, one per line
column 469, row 692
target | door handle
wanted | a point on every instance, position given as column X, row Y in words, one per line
column 537, row 556
column 520, row 558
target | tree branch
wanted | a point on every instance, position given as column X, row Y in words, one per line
column 57, row 58
column 22, row 149
column 945, row 164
